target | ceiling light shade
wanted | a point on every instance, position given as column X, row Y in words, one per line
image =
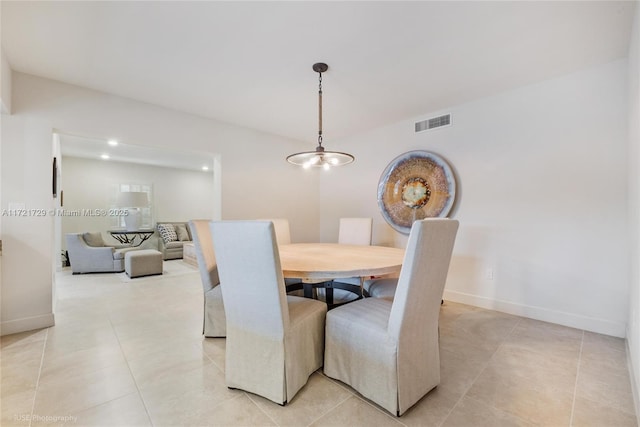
column 320, row 158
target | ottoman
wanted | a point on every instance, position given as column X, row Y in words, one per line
column 144, row 262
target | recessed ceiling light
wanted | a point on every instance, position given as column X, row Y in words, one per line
column 205, row 168
column 104, row 157
column 112, row 142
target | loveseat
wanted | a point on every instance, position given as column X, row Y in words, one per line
column 89, row 254
column 173, row 236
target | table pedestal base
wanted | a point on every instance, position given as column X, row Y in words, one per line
column 328, row 287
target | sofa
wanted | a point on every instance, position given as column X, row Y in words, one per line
column 173, row 236
column 89, row 254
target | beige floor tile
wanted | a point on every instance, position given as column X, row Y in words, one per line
column 16, row 408
column 20, row 367
column 604, row 354
column 154, row 368
column 432, row 409
column 450, row 311
column 547, row 372
column 476, row 334
column 240, row 412
column 459, row 343
column 125, row 411
column 471, row 413
column 80, row 392
column 154, row 343
column 482, row 327
column 18, row 352
column 547, row 338
column 458, row 371
column 17, row 340
column 86, row 315
column 355, row 412
column 79, row 336
column 156, row 325
column 603, row 375
column 61, row 366
column 605, row 386
column 215, row 348
column 315, row 399
column 588, row 413
column 112, row 331
column 194, row 397
column 603, row 343
column 135, row 314
column 513, row 392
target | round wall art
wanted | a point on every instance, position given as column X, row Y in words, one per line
column 415, row 185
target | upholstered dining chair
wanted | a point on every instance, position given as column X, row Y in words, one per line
column 382, row 288
column 214, row 324
column 355, row 231
column 388, row 351
column 352, row 231
column 283, row 236
column 283, row 232
column 274, row 341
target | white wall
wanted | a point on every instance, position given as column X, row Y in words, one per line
column 27, row 240
column 256, row 180
column 178, row 194
column 633, row 330
column 542, row 174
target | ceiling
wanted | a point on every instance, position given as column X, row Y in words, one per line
column 249, row 63
column 95, row 148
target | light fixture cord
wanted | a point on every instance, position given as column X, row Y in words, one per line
column 320, row 109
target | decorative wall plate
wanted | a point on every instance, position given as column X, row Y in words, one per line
column 415, row 185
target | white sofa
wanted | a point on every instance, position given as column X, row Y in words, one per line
column 173, row 249
column 92, row 255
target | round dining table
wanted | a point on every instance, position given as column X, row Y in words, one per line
column 320, row 264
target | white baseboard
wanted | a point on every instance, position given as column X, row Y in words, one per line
column 26, row 324
column 635, row 387
column 601, row 326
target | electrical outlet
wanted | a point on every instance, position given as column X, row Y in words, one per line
column 489, row 274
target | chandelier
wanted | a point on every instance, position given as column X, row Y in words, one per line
column 320, row 158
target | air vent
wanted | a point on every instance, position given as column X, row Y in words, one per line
column 433, row 123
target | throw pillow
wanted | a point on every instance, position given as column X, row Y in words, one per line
column 182, row 233
column 167, row 232
column 93, row 239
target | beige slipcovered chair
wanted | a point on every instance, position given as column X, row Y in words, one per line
column 352, row 231
column 274, row 341
column 283, row 232
column 382, row 288
column 283, row 237
column 215, row 324
column 388, row 351
column 355, row 231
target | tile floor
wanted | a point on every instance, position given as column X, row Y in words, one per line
column 128, row 352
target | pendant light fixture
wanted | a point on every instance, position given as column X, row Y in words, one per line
column 320, row 158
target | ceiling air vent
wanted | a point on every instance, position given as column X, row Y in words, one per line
column 433, row 123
